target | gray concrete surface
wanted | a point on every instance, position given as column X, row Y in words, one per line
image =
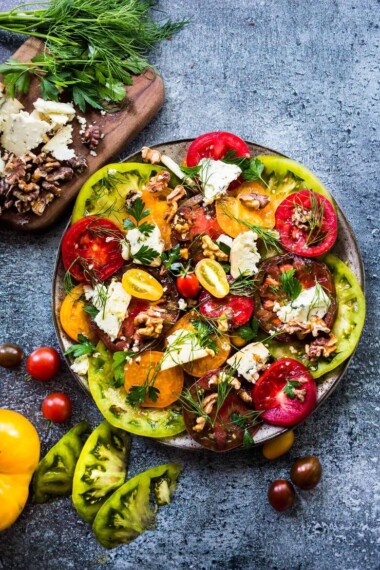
column 301, row 77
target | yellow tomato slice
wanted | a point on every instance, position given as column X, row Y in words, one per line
column 141, row 371
column 141, row 284
column 73, row 317
column 212, row 277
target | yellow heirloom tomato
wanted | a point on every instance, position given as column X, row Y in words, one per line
column 212, row 277
column 141, row 284
column 19, row 456
column 73, row 317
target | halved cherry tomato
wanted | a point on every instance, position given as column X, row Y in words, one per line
column 73, row 317
column 307, row 223
column 188, row 285
column 91, row 246
column 215, row 145
column 142, row 369
column 307, row 271
column 212, row 277
column 225, row 428
column 57, row 407
column 141, row 284
column 238, row 310
column 286, row 393
column 43, row 363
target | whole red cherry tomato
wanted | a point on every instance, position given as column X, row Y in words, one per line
column 188, row 285
column 281, row 495
column 43, row 364
column 57, row 407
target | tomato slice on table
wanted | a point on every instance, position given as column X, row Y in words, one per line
column 91, row 246
column 286, row 393
column 307, row 224
column 238, row 310
column 215, row 145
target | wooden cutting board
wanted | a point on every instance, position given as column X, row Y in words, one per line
column 146, row 97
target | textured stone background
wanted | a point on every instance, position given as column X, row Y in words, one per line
column 301, row 77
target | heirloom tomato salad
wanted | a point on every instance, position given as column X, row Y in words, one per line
column 203, row 296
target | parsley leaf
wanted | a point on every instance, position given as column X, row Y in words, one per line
column 252, row 168
column 248, row 440
column 92, row 311
column 85, row 346
column 249, row 331
column 203, row 332
column 171, row 257
column 191, row 171
column 136, row 210
column 138, row 394
column 146, row 229
column 289, row 388
column 146, row 255
column 119, row 359
column 290, row 284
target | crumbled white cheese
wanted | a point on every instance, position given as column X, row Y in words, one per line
column 125, row 249
column 216, row 176
column 8, row 107
column 88, row 292
column 225, row 239
column 80, row 365
column 183, row 346
column 153, row 240
column 309, row 303
column 46, row 107
column 244, row 256
column 250, row 360
column 111, row 171
column 58, row 144
column 112, row 311
column 182, row 305
column 22, row 133
column 93, row 153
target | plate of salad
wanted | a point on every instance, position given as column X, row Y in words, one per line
column 208, row 293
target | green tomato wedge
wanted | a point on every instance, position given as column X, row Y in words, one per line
column 101, row 469
column 287, row 175
column 111, row 401
column 347, row 328
column 104, row 193
column 54, row 474
column 129, row 511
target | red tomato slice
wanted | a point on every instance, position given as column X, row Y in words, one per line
column 87, row 249
column 136, row 306
column 237, row 309
column 309, row 238
column 215, row 145
column 200, row 219
column 285, row 408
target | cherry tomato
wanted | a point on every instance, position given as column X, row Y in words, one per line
column 215, row 145
column 212, row 277
column 281, row 495
column 11, row 355
column 188, row 285
column 307, row 271
column 141, row 284
column 286, row 392
column 91, row 246
column 236, row 308
column 306, row 472
column 307, row 223
column 43, row 364
column 57, row 407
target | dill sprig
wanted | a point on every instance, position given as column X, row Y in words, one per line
column 92, row 48
column 243, row 286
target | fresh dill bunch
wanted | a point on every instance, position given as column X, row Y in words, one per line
column 92, row 47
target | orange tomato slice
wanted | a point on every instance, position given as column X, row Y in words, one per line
column 201, row 366
column 168, row 382
column 231, row 208
column 73, row 317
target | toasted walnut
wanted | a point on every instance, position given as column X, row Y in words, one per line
column 172, row 201
column 150, row 323
column 78, row 163
column 301, row 217
column 212, row 250
column 223, row 320
column 322, row 346
column 254, row 201
column 235, row 383
column 199, row 424
column 214, row 380
column 131, row 197
column 159, row 182
column 150, row 155
column 91, row 136
column 39, row 206
column 64, row 173
column 318, row 325
column 184, row 252
column 315, row 326
column 52, row 187
column 14, row 170
column 27, row 186
column 181, row 225
column 244, row 396
column 209, row 402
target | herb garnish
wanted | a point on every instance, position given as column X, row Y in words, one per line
column 246, row 422
column 137, row 211
column 170, row 259
column 85, row 346
column 252, row 168
column 119, row 359
column 289, row 388
column 249, row 331
column 290, row 285
column 138, row 394
column 204, row 330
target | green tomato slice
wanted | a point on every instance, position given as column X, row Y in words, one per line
column 111, row 401
column 101, row 469
column 347, row 328
column 54, row 474
column 104, row 193
column 287, row 175
column 129, row 511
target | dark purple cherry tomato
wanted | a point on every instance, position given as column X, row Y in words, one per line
column 11, row 355
column 281, row 495
column 306, row 472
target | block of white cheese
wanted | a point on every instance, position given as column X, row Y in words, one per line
column 312, row 302
column 112, row 308
column 23, row 133
column 244, row 256
column 80, row 365
column 250, row 360
column 153, row 241
column 57, row 114
column 216, row 176
column 8, row 107
column 182, row 346
column 58, row 144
